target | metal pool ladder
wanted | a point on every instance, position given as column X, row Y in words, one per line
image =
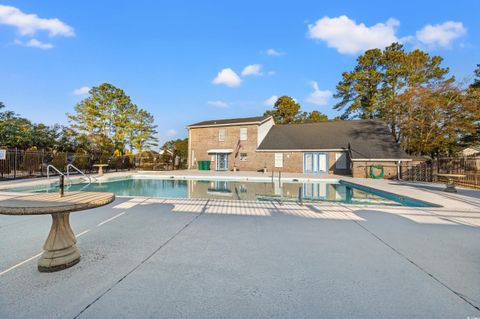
column 89, row 178
column 55, row 169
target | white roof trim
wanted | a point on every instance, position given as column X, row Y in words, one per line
column 231, row 124
column 308, row 150
column 381, row 159
column 220, row 151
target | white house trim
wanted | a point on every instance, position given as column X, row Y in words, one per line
column 308, row 150
column 381, row 160
column 231, row 124
column 220, row 151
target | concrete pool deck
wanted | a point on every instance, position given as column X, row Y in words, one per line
column 180, row 258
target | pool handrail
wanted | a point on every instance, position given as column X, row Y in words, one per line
column 79, row 171
column 50, row 166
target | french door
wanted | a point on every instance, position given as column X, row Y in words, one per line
column 315, row 163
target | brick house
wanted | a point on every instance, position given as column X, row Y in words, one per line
column 332, row 147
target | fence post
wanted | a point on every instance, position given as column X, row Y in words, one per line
column 41, row 164
column 15, row 164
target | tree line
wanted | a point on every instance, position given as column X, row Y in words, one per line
column 19, row 132
column 427, row 110
column 288, row 111
column 105, row 123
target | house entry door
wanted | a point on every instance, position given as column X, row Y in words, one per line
column 222, row 162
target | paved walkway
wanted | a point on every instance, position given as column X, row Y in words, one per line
column 180, row 258
column 153, row 258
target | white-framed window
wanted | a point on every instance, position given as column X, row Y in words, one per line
column 278, row 159
column 341, row 160
column 243, row 157
column 221, row 134
column 243, row 134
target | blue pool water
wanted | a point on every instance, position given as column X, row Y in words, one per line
column 341, row 192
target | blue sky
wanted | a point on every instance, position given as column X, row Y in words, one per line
column 183, row 61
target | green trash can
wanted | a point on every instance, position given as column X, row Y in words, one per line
column 207, row 165
column 200, row 166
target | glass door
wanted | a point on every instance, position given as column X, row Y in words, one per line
column 222, row 162
column 322, row 163
column 307, row 162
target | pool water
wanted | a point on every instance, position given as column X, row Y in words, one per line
column 331, row 191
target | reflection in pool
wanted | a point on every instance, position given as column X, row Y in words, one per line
column 331, row 191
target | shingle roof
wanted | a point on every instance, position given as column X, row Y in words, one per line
column 368, row 139
column 252, row 120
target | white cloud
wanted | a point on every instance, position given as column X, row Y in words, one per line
column 271, row 100
column 271, row 72
column 348, row 37
column 273, row 52
column 218, row 103
column 441, row 35
column 29, row 24
column 171, row 132
column 318, row 97
column 252, row 69
column 34, row 43
column 227, row 77
column 81, row 91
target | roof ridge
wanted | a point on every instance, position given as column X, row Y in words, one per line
column 334, row 121
column 253, row 119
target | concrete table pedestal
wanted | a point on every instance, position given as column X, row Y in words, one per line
column 60, row 250
column 100, row 168
column 450, row 187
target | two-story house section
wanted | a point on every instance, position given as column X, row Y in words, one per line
column 228, row 143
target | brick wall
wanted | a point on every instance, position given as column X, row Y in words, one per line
column 206, row 138
column 331, row 165
column 361, row 169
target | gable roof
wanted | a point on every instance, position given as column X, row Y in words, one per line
column 368, row 139
column 236, row 121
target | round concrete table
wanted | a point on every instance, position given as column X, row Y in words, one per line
column 100, row 168
column 60, row 251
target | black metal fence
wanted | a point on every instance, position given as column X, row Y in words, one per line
column 22, row 164
column 28, row 164
column 428, row 171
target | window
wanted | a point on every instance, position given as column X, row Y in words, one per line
column 278, row 159
column 341, row 160
column 221, row 135
column 243, row 134
column 243, row 157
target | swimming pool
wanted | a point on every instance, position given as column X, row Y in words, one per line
column 261, row 190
